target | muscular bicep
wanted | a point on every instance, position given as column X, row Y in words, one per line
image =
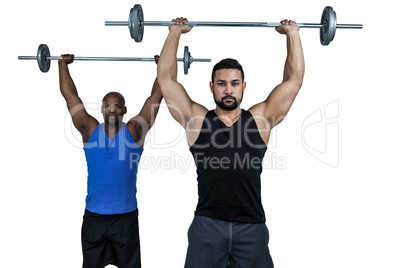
column 277, row 105
column 179, row 103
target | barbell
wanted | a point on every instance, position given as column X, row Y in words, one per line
column 327, row 26
column 43, row 57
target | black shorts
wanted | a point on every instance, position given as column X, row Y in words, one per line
column 110, row 239
column 213, row 243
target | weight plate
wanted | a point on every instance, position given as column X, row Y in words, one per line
column 135, row 24
column 41, row 56
column 328, row 19
column 186, row 62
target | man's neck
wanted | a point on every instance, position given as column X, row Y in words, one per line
column 111, row 130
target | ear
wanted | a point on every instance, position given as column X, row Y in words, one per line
column 102, row 109
column 211, row 86
column 244, row 86
column 125, row 109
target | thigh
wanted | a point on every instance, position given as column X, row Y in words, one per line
column 208, row 243
column 125, row 240
column 250, row 246
column 95, row 246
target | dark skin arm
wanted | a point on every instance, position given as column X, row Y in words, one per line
column 82, row 121
column 140, row 124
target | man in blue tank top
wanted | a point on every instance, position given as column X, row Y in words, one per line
column 113, row 150
column 228, row 145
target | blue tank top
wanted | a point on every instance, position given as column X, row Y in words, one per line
column 112, row 171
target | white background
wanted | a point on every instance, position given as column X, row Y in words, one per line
column 335, row 203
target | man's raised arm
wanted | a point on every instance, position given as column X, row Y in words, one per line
column 84, row 123
column 179, row 103
column 140, row 125
column 279, row 101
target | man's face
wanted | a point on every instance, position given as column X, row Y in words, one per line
column 228, row 88
column 113, row 109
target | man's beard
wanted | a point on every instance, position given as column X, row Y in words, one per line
column 113, row 121
column 229, row 107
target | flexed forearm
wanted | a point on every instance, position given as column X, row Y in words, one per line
column 167, row 66
column 67, row 86
column 294, row 64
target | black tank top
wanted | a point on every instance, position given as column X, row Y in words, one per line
column 229, row 163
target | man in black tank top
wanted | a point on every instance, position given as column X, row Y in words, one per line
column 228, row 145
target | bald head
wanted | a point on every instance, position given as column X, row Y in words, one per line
column 115, row 94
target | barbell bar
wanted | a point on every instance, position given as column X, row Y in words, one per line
column 44, row 58
column 327, row 25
